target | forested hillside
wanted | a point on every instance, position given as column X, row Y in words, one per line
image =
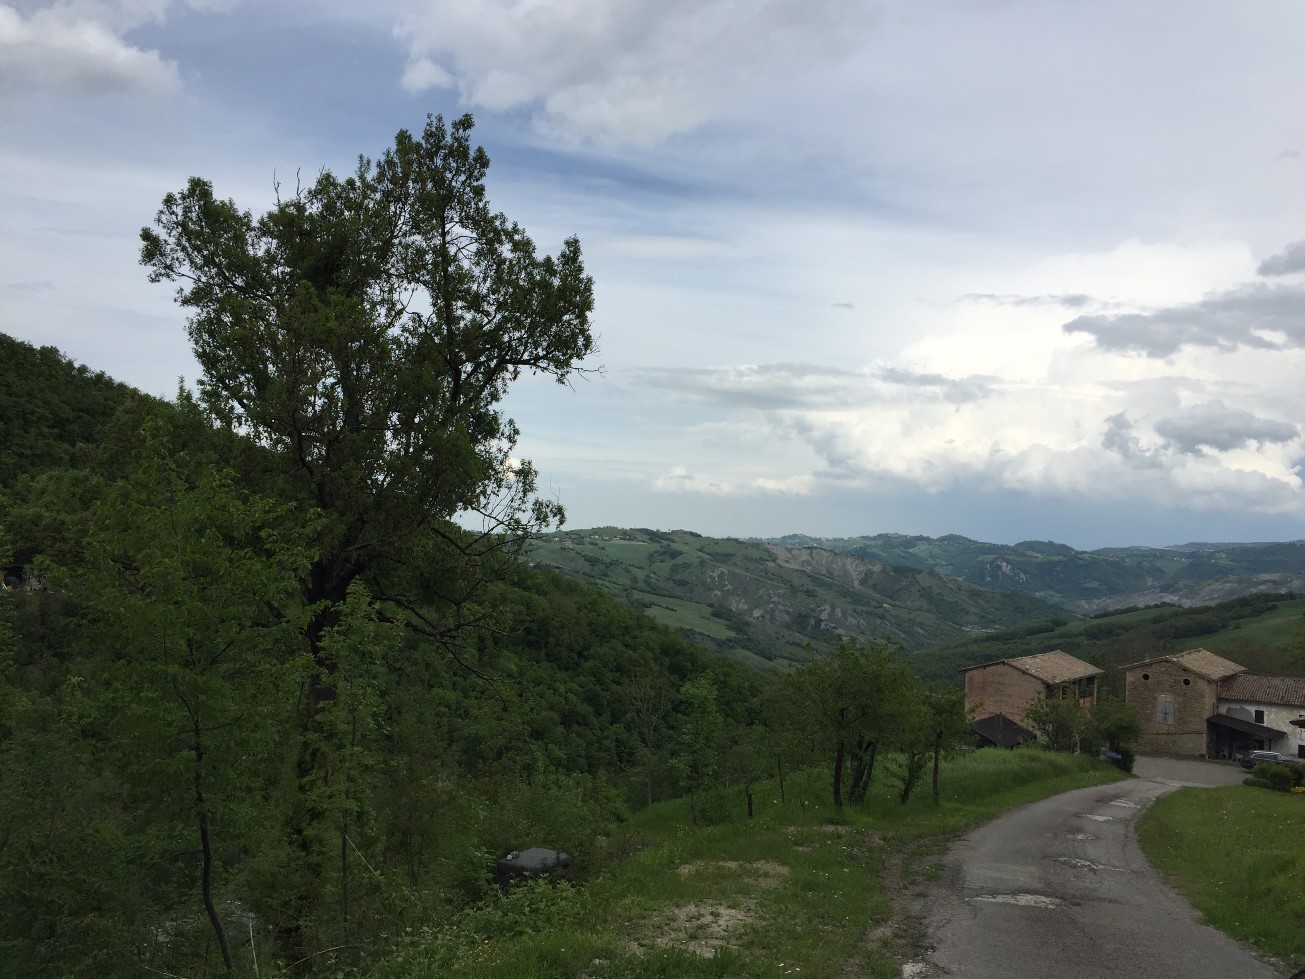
column 1088, row 581
column 763, row 604
column 1263, row 632
column 152, row 690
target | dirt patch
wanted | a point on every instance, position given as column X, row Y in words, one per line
column 767, row 873
column 901, row 934
column 703, row 927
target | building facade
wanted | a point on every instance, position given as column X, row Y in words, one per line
column 1009, row 686
column 1198, row 703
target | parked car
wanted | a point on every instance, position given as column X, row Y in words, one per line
column 1265, row 758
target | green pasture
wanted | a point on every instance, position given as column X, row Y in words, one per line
column 1238, row 854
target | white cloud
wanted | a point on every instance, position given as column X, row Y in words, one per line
column 81, row 48
column 620, row 71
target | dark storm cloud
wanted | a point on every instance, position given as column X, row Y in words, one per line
column 1226, row 320
column 1290, row 259
column 1216, row 426
column 772, row 387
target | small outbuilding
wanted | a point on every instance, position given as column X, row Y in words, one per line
column 999, row 731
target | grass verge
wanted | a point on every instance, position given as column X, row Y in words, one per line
column 799, row 890
column 1238, row 854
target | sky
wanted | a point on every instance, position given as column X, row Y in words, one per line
column 1013, row 269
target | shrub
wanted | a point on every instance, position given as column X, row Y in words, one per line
column 1126, row 759
column 1280, row 778
column 1256, row 783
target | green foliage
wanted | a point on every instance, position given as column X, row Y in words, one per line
column 698, row 756
column 49, row 406
column 853, row 702
column 1280, row 778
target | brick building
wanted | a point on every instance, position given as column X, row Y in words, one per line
column 1008, row 686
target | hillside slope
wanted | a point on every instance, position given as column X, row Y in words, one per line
column 761, row 603
column 1088, row 581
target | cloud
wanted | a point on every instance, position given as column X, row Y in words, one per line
column 620, row 71
column 1290, row 259
column 80, row 49
column 1121, row 439
column 812, row 387
column 34, row 288
column 1075, row 300
column 1255, row 315
column 680, row 480
column 1216, row 426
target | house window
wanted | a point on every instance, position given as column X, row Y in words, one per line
column 1259, row 717
column 1187, row 682
column 1146, row 676
column 1164, row 709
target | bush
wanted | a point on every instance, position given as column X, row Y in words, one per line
column 1126, row 759
column 1279, row 777
column 1256, row 783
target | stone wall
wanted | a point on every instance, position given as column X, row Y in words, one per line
column 1000, row 689
column 1194, row 699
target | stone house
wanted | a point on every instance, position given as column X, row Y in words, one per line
column 1008, row 686
column 1197, row 703
column 1259, row 712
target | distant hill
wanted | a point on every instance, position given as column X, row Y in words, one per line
column 1088, row 581
column 760, row 603
column 1265, row 633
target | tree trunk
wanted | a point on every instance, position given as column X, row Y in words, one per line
column 206, row 852
column 838, row 776
column 937, row 751
column 779, row 769
column 863, row 770
column 748, row 790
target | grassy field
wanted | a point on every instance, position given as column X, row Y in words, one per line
column 799, row 890
column 1238, row 854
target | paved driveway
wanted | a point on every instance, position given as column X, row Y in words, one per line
column 1187, row 771
column 1060, row 888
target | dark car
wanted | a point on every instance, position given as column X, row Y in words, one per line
column 1266, row 758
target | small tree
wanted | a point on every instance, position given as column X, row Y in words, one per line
column 1061, row 723
column 700, row 738
column 949, row 723
column 1118, row 727
column 852, row 701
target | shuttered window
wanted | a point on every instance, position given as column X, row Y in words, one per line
column 1164, row 709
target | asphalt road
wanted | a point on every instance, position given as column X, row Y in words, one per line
column 1060, row 888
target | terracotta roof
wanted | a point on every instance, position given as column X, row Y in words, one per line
column 1200, row 661
column 1286, row 690
column 1053, row 667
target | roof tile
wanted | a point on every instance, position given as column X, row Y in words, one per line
column 1286, row 690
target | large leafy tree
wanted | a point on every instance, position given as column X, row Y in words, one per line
column 365, row 330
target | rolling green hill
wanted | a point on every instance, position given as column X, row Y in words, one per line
column 1264, row 633
column 1088, row 581
column 761, row 603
